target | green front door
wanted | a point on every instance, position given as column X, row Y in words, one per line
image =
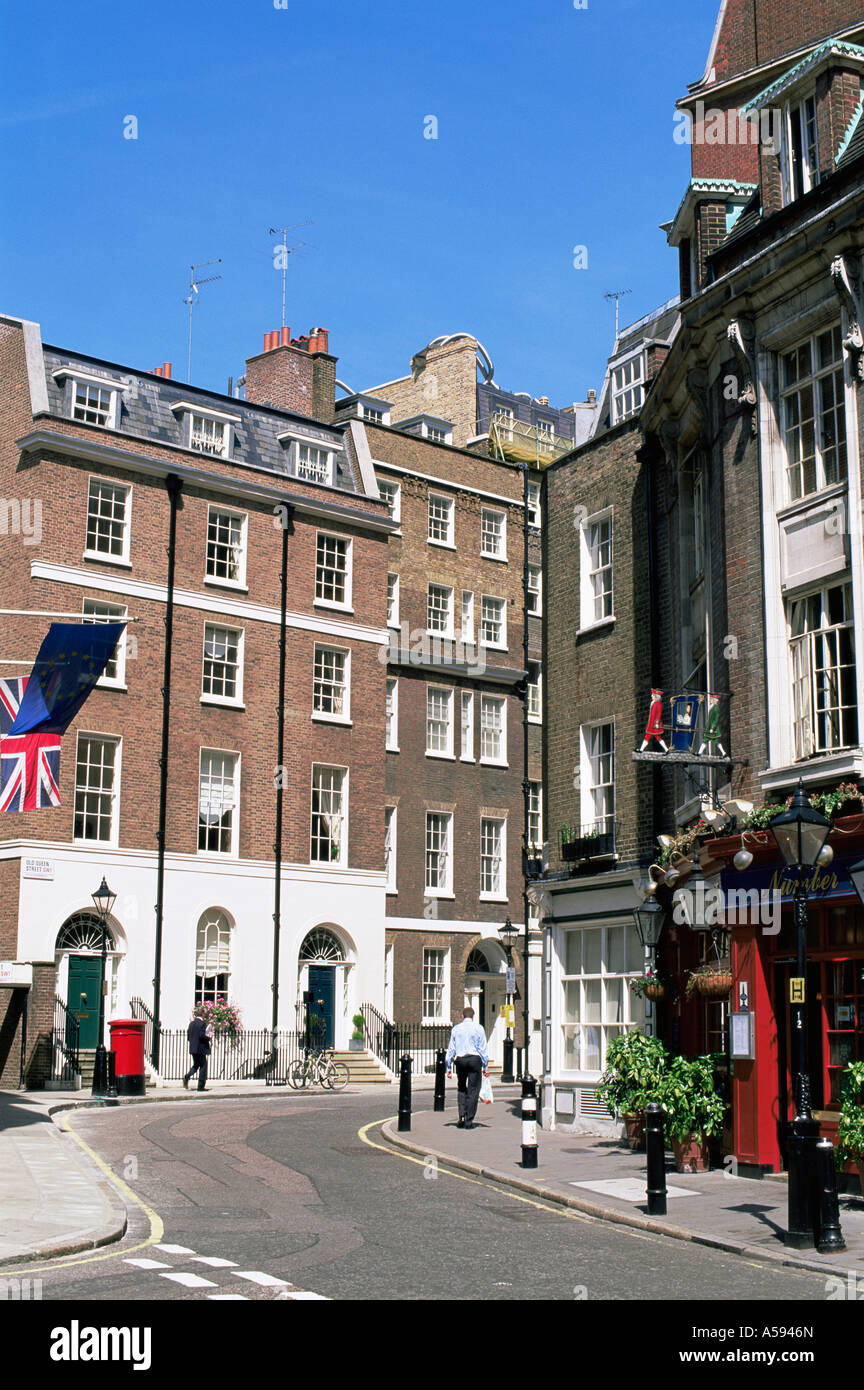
column 85, row 974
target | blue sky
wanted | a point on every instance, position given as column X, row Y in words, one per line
column 554, row 131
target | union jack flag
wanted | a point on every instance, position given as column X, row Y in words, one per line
column 29, row 763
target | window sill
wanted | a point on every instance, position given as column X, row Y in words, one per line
column 442, row 636
column 535, row 719
column 333, row 605
column 319, row 718
column 233, row 584
column 216, row 854
column 111, row 685
column 832, row 492
column 595, row 627
column 494, row 646
column 439, row 895
column 396, row 625
column 486, row 555
column 465, row 759
column 442, row 545
column 492, row 762
column 392, row 748
column 442, row 757
column 107, row 559
column 494, row 898
column 222, row 704
column 101, row 844
column 327, row 864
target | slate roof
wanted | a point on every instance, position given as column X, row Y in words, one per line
column 146, row 414
column 855, row 145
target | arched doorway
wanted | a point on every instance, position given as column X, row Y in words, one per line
column 78, row 961
column 323, row 970
column 484, row 991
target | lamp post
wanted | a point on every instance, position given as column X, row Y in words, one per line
column 801, row 833
column 508, row 931
column 103, row 901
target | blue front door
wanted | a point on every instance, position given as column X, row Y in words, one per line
column 322, row 983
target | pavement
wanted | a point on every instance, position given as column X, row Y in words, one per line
column 602, row 1178
column 56, row 1200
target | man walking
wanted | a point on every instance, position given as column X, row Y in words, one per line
column 198, row 1034
column 469, row 1048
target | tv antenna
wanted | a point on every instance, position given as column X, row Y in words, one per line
column 194, row 284
column 616, row 295
column 286, row 252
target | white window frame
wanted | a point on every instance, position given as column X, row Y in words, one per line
column 535, row 508
column 535, row 591
column 448, row 631
column 486, row 702
column 234, row 701
column 394, row 506
column 500, row 536
column 297, row 464
column 498, row 645
column 804, row 652
column 342, row 859
column 110, row 613
column 230, row 853
column 497, row 893
column 589, row 757
column 503, row 417
column 588, row 573
column 114, row 792
column 812, row 383
column 322, row 716
column 448, row 543
column 535, row 700
column 467, row 624
column 466, row 726
column 239, row 551
column 81, row 381
column 390, row 831
column 628, row 394
column 444, row 986
column 96, row 480
column 795, row 111
column 393, row 600
column 340, row 605
column 391, row 716
column 444, row 694
column 605, row 1027
column 444, row 890
column 535, row 816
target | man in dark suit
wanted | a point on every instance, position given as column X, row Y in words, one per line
column 198, row 1034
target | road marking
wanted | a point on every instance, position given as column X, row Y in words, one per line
column 176, row 1249
column 190, row 1281
column 215, row 1262
column 266, row 1280
column 302, row 1297
column 147, row 1264
column 227, row 1298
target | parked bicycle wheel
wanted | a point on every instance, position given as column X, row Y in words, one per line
column 299, row 1074
column 337, row 1076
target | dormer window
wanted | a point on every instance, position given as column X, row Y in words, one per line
column 802, row 150
column 428, row 427
column 313, row 464
column 91, row 399
column 628, row 388
column 206, row 431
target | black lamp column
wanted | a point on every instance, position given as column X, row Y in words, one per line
column 103, row 901
column 508, row 931
column 801, row 833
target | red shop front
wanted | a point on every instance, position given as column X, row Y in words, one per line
column 763, row 961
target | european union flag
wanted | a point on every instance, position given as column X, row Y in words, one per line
column 70, row 661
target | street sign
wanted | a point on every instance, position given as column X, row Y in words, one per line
column 510, row 980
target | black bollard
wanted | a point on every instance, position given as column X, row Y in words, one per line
column 529, row 1122
column 404, row 1093
column 829, row 1236
column 439, row 1079
column 656, row 1159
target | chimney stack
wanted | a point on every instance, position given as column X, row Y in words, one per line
column 297, row 374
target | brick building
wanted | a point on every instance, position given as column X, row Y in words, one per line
column 98, row 451
column 749, row 486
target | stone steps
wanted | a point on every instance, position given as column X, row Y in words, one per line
column 365, row 1068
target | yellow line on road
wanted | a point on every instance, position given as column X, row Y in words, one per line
column 157, row 1229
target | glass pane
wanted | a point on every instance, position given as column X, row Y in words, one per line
column 614, row 1001
column 592, row 1038
column 592, row 944
column 572, row 1058
column 573, row 953
column 615, row 948
column 635, row 953
column 572, row 992
column 593, row 1001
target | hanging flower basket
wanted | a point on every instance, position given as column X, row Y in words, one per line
column 712, row 980
column 654, row 990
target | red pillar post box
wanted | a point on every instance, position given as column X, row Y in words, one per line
column 127, row 1044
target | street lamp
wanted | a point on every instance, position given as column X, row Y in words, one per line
column 103, row 901
column 648, row 917
column 508, row 932
column 801, row 833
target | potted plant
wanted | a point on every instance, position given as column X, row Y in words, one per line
column 632, row 1079
column 223, row 1018
column 355, row 1042
column 571, row 845
column 695, row 1110
column 649, row 985
column 850, row 1128
column 713, row 980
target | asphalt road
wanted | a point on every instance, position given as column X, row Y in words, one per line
column 263, row 1198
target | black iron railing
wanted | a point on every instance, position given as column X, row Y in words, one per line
column 65, row 1046
column 592, row 841
column 250, row 1056
column 390, row 1040
column 140, row 1010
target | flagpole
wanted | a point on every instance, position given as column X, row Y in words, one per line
column 174, row 486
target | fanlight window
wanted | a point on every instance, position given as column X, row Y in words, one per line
column 477, row 964
column 83, row 932
column 322, row 947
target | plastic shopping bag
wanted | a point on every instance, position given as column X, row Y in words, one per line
column 486, row 1091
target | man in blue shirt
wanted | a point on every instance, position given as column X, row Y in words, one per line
column 469, row 1049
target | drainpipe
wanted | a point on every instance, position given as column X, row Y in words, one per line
column 526, row 1041
column 286, row 522
column 174, row 486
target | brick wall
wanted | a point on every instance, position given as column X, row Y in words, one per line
column 295, row 378
column 443, row 382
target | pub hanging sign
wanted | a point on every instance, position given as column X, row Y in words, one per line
column 684, row 730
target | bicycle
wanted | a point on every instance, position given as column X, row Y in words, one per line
column 318, row 1069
